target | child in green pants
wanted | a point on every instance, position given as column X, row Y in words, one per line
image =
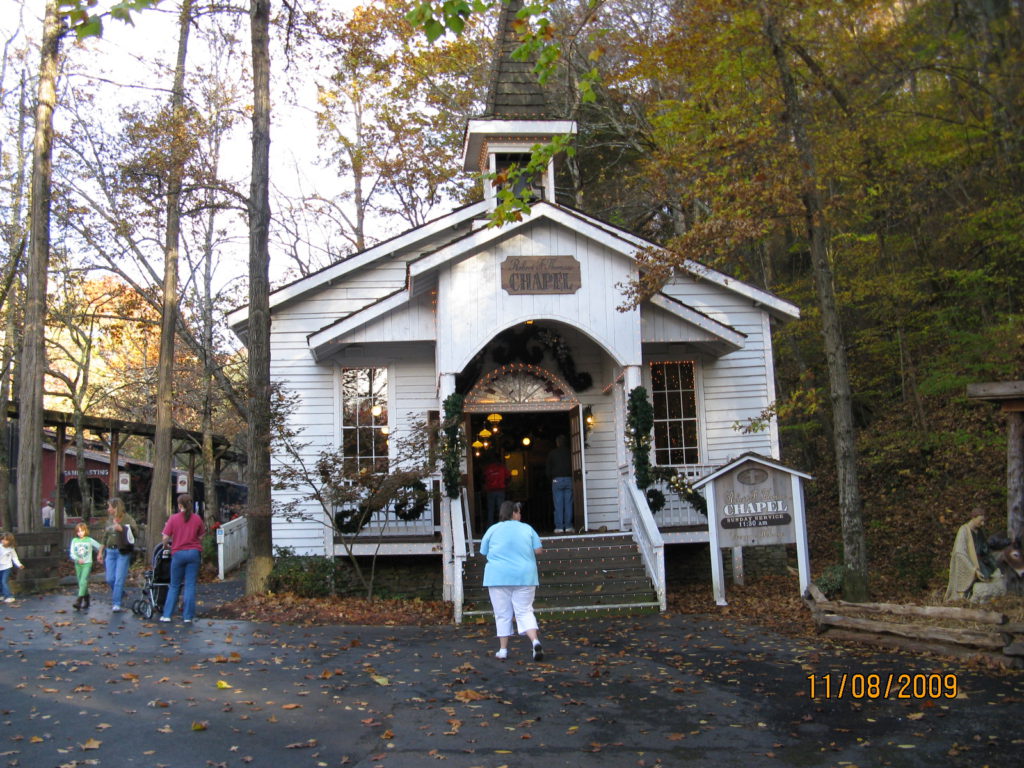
column 81, row 555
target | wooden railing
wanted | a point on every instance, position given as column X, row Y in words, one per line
column 232, row 545
column 645, row 534
column 677, row 510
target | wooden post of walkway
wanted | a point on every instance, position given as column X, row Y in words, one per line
column 114, row 473
column 1010, row 397
column 59, row 511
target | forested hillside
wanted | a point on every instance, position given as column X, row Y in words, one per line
column 910, row 118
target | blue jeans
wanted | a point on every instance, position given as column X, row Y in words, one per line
column 5, row 588
column 494, row 501
column 561, row 492
column 184, row 568
column 117, row 571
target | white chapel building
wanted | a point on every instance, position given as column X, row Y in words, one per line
column 522, row 321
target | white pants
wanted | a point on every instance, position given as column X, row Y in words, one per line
column 509, row 601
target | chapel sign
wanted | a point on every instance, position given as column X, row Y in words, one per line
column 754, row 501
column 540, row 274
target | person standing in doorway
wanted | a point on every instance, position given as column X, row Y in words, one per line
column 48, row 514
column 184, row 532
column 511, row 548
column 496, row 479
column 559, row 471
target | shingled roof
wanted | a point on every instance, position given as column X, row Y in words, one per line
column 514, row 93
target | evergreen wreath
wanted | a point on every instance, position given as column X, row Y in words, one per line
column 412, row 502
column 527, row 345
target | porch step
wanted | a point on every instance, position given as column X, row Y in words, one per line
column 578, row 574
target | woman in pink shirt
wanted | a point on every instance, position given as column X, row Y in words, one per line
column 184, row 532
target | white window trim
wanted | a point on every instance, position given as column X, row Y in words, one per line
column 338, row 372
column 698, row 385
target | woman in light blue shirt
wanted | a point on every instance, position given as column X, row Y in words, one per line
column 511, row 548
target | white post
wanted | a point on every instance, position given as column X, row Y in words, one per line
column 221, row 569
column 803, row 557
column 717, row 570
column 631, row 378
column 737, row 566
column 445, row 387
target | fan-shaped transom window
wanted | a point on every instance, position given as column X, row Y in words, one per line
column 520, row 387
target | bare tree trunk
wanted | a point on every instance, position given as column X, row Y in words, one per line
column 855, row 581
column 258, row 468
column 7, row 518
column 33, row 350
column 358, row 169
column 160, row 490
column 211, row 476
column 8, row 515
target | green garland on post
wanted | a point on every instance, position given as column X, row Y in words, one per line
column 639, row 423
column 452, row 445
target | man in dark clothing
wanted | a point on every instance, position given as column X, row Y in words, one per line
column 559, row 471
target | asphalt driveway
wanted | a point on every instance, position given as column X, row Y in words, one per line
column 101, row 689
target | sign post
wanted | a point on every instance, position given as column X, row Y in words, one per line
column 752, row 502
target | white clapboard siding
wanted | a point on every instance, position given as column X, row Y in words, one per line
column 412, row 392
column 414, row 321
column 601, row 466
column 601, row 463
column 737, row 386
column 472, row 307
column 659, row 325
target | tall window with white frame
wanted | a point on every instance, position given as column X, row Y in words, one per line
column 674, row 396
column 364, row 419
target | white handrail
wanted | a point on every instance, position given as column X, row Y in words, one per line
column 232, row 545
column 468, row 518
column 646, row 535
column 459, row 552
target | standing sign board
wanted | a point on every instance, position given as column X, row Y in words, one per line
column 753, row 502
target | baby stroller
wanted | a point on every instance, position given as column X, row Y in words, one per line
column 156, row 581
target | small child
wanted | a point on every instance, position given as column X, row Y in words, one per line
column 81, row 555
column 8, row 562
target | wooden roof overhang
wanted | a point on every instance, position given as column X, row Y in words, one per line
column 103, row 425
column 1008, row 394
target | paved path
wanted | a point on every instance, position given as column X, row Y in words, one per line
column 102, row 689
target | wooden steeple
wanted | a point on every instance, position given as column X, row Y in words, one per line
column 514, row 93
column 518, row 113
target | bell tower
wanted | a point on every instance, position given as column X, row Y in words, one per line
column 518, row 115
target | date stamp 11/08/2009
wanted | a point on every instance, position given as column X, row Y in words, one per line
column 914, row 686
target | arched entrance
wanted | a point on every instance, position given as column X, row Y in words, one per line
column 513, row 415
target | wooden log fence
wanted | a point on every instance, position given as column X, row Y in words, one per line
column 940, row 630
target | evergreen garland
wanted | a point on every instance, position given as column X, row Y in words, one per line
column 452, row 445
column 639, row 422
